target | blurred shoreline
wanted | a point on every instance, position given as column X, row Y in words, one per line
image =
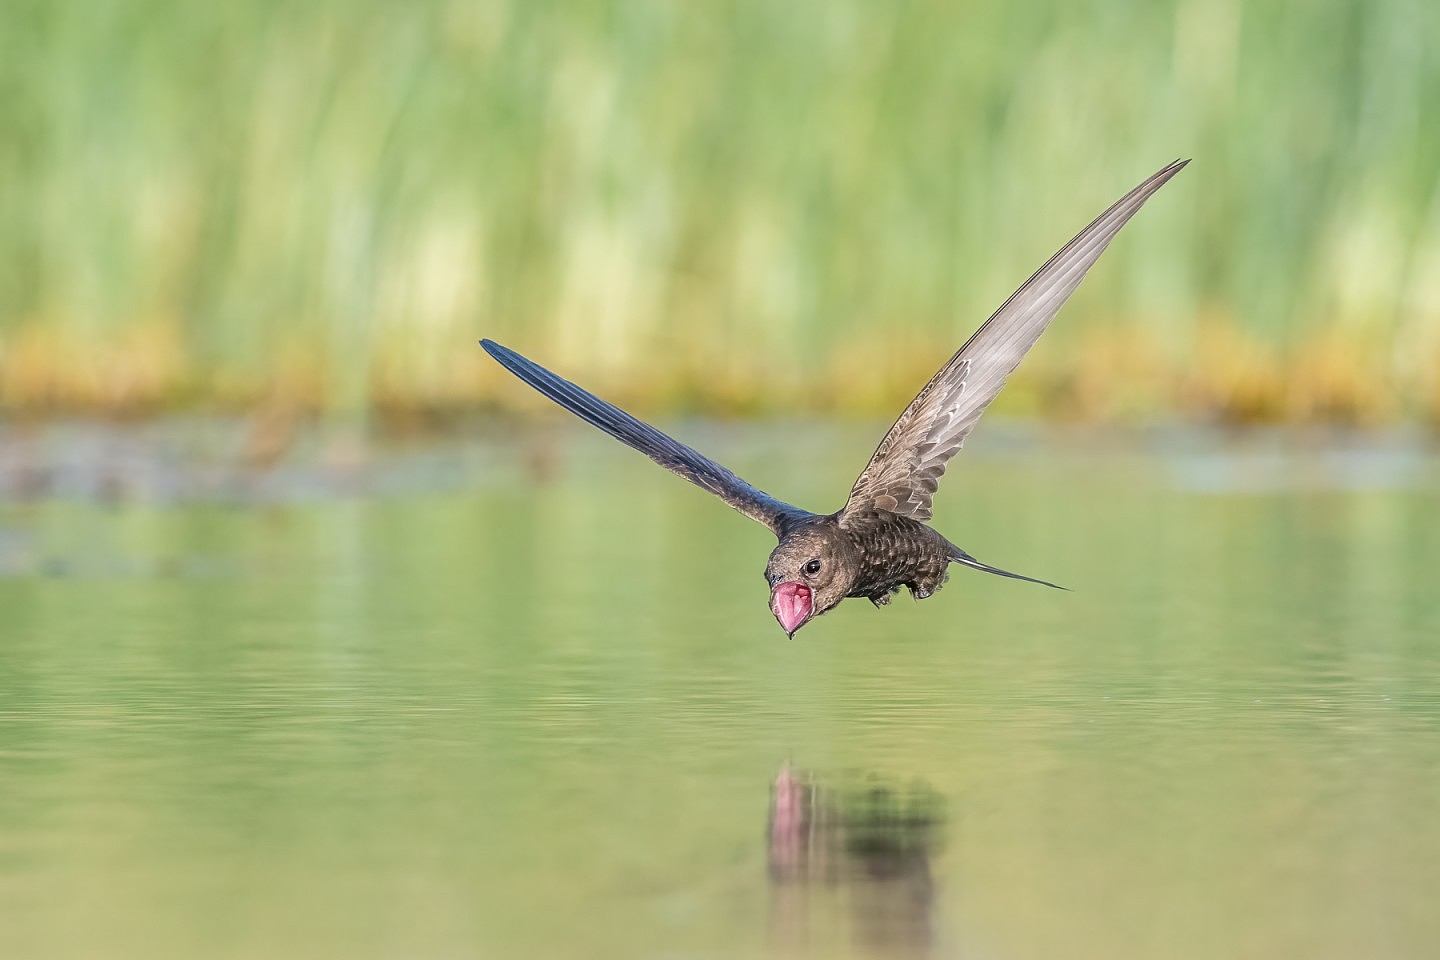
column 255, row 461
column 1095, row 376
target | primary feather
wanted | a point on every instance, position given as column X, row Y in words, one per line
column 906, row 468
column 664, row 450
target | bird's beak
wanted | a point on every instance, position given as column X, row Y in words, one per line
column 792, row 604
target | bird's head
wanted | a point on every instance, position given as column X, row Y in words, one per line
column 810, row 572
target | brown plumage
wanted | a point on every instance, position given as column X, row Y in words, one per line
column 878, row 542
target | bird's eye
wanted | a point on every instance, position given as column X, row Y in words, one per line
column 812, row 568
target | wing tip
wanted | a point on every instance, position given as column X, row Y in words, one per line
column 1161, row 176
column 507, row 358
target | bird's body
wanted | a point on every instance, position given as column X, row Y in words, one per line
column 879, row 541
column 898, row 552
column 879, row 552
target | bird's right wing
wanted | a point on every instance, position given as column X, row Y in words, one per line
column 666, row 451
column 905, row 470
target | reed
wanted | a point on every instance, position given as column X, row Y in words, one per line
column 742, row 206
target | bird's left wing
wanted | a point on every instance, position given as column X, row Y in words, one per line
column 905, row 470
column 666, row 451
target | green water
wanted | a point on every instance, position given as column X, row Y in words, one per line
column 536, row 707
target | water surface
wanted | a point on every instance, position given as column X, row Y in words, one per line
column 509, row 700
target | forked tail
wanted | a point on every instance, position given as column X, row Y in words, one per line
column 960, row 556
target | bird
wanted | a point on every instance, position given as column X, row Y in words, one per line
column 879, row 540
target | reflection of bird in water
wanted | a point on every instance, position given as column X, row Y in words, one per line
column 871, row 843
column 879, row 541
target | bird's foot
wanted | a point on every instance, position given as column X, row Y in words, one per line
column 883, row 597
column 926, row 585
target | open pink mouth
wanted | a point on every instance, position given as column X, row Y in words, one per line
column 792, row 605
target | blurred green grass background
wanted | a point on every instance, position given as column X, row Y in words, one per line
column 727, row 207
